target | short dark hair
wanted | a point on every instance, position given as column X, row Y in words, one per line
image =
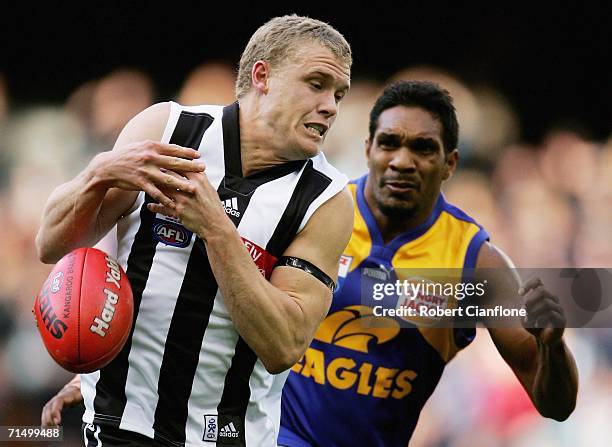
column 280, row 38
column 426, row 95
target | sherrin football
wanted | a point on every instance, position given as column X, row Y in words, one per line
column 84, row 310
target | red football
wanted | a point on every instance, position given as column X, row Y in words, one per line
column 84, row 310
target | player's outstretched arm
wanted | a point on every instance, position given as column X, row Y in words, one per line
column 278, row 318
column 538, row 355
column 81, row 211
column 69, row 396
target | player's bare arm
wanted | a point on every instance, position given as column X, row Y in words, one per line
column 538, row 355
column 277, row 319
column 81, row 211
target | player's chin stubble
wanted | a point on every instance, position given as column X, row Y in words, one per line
column 396, row 209
column 398, row 212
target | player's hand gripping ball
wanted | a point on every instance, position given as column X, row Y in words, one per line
column 84, row 310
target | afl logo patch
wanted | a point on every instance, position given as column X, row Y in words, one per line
column 171, row 234
column 56, row 282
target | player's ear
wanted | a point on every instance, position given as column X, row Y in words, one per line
column 450, row 164
column 260, row 74
column 368, row 149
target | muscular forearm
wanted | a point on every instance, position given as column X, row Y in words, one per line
column 81, row 211
column 270, row 320
column 556, row 381
column 69, row 217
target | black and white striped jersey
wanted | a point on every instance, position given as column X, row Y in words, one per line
column 185, row 376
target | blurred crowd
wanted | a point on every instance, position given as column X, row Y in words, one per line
column 546, row 205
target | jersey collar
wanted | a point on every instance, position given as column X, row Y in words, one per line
column 402, row 238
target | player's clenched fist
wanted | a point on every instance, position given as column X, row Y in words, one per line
column 200, row 211
column 144, row 166
column 545, row 316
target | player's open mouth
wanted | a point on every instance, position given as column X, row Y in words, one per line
column 401, row 187
column 316, row 129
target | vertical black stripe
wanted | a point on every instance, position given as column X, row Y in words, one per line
column 110, row 397
column 231, row 140
column 182, row 349
column 310, row 186
column 236, row 392
column 190, row 129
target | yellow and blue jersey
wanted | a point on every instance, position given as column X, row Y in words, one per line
column 359, row 384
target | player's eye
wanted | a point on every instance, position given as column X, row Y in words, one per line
column 425, row 146
column 387, row 142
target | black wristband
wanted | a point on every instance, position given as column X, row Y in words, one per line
column 290, row 261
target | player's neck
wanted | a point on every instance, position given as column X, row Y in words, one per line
column 256, row 151
column 392, row 226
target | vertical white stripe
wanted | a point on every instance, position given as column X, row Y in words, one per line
column 85, row 435
column 88, row 390
column 262, row 421
column 126, row 232
column 211, row 149
column 235, row 203
column 97, row 436
column 216, row 354
column 175, row 113
column 127, row 227
column 266, row 208
column 150, row 332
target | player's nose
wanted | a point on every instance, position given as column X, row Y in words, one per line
column 402, row 160
column 328, row 105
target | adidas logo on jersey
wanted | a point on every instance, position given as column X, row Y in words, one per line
column 229, row 431
column 231, row 206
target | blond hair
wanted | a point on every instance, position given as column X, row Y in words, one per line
column 277, row 40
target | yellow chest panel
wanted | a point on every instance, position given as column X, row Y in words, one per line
column 448, row 240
